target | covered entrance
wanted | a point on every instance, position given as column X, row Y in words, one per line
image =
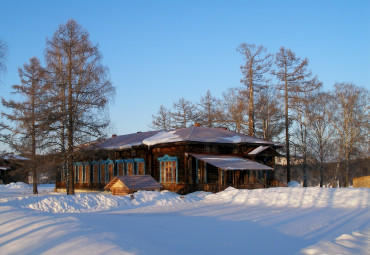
column 217, row 172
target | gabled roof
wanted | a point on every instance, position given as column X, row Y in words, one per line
column 267, row 150
column 227, row 162
column 136, row 182
column 190, row 134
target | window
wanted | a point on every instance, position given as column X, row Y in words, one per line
column 110, row 171
column 168, row 169
column 96, row 173
column 140, row 168
column 120, row 169
column 106, row 174
column 102, row 173
column 76, row 173
column 130, row 168
column 84, row 174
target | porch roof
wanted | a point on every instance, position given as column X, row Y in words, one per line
column 227, row 162
column 136, row 182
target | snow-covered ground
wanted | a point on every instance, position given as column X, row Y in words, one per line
column 290, row 220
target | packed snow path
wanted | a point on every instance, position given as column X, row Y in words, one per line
column 264, row 221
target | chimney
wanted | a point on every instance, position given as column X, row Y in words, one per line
column 114, row 135
column 197, row 124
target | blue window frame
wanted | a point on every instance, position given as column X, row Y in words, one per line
column 129, row 166
column 77, row 167
column 139, row 166
column 168, row 169
column 108, row 162
column 120, row 162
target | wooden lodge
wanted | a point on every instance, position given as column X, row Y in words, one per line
column 182, row 160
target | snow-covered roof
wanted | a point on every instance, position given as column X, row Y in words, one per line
column 136, row 182
column 4, row 168
column 123, row 141
column 190, row 134
column 257, row 150
column 10, row 156
column 227, row 162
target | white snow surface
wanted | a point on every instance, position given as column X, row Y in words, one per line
column 234, row 139
column 162, row 137
column 291, row 220
column 294, row 184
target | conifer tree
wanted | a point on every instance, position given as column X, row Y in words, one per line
column 81, row 90
column 294, row 79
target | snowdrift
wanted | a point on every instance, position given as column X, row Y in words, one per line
column 276, row 197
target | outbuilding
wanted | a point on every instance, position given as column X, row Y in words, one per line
column 127, row 184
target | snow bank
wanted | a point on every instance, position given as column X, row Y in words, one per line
column 18, row 186
column 296, row 197
column 24, row 188
column 94, row 202
column 294, row 184
column 273, row 197
column 355, row 243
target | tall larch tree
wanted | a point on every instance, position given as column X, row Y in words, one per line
column 27, row 135
column 82, row 90
column 293, row 75
column 257, row 66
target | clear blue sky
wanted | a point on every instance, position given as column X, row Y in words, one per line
column 159, row 51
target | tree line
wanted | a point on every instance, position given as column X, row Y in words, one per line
column 61, row 105
column 281, row 100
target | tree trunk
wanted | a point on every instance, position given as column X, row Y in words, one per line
column 34, row 183
column 287, row 133
column 71, row 188
column 251, row 108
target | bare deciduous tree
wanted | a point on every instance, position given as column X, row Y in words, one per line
column 27, row 136
column 83, row 86
column 183, row 114
column 269, row 114
column 351, row 121
column 257, row 65
column 321, row 132
column 234, row 110
column 209, row 110
column 163, row 119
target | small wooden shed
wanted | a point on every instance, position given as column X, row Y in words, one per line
column 126, row 184
column 361, row 182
